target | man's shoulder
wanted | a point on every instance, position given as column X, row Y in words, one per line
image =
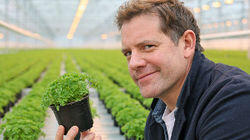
column 225, row 76
column 213, row 80
column 228, row 70
column 227, row 81
column 224, row 106
column 206, row 75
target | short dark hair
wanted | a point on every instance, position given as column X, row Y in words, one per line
column 175, row 18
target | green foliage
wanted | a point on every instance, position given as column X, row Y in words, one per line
column 112, row 101
column 16, row 64
column 92, row 109
column 125, row 104
column 147, row 102
column 129, row 113
column 9, row 89
column 229, row 57
column 135, row 128
column 68, row 88
column 72, row 67
column 69, row 65
column 26, row 119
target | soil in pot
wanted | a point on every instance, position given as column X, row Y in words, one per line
column 76, row 113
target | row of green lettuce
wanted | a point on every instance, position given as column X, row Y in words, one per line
column 10, row 91
column 230, row 57
column 13, row 65
column 26, row 120
column 129, row 114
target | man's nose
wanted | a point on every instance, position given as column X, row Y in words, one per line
column 136, row 61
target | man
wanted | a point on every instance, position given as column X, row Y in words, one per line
column 194, row 98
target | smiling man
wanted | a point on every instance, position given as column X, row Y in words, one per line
column 156, row 64
column 194, row 98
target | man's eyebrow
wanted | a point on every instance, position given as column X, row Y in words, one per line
column 147, row 42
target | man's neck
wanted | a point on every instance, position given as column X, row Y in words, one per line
column 170, row 97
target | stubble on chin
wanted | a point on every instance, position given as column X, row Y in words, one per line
column 153, row 91
column 146, row 93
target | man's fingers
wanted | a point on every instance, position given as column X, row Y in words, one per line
column 59, row 133
column 88, row 135
column 84, row 133
column 98, row 137
column 72, row 133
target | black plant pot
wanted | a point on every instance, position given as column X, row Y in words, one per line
column 19, row 96
column 76, row 113
column 115, row 123
column 133, row 138
column 120, row 130
column 1, row 115
column 6, row 108
column 109, row 110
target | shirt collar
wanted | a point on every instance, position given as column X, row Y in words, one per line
column 159, row 110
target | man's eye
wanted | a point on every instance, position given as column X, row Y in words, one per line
column 148, row 46
column 127, row 53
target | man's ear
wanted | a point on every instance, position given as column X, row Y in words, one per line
column 189, row 39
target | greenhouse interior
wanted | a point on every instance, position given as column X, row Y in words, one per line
column 43, row 40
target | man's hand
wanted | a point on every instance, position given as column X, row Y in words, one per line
column 86, row 135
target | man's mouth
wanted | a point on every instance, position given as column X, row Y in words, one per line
column 143, row 76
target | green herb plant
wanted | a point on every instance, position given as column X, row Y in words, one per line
column 71, row 87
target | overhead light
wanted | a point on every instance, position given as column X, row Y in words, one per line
column 197, row 10
column 104, row 36
column 244, row 21
column 1, row 36
column 25, row 32
column 228, row 23
column 82, row 7
column 229, row 1
column 69, row 36
column 205, row 7
column 216, row 4
column 80, row 10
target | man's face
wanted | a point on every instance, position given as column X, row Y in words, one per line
column 155, row 63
